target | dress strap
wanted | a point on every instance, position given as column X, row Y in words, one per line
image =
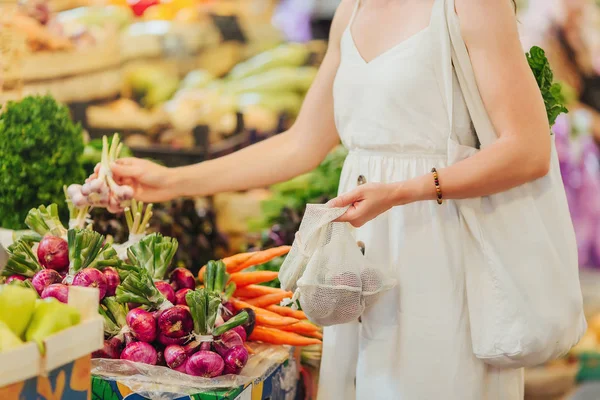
column 356, row 6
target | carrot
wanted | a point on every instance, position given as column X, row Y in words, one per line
column 229, row 262
column 259, row 257
column 254, row 277
column 286, row 311
column 301, row 328
column 252, row 291
column 270, row 299
column 263, row 316
column 275, row 336
column 250, row 351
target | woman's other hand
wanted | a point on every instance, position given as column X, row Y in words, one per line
column 151, row 182
column 366, row 202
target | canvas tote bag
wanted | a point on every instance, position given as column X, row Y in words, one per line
column 522, row 278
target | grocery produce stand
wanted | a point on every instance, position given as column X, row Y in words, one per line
column 275, row 378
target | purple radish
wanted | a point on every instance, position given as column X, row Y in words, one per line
column 53, row 253
column 91, row 277
column 180, row 296
column 140, row 352
column 182, row 278
column 44, row 278
column 235, row 360
column 57, row 290
column 142, row 325
column 226, row 341
column 175, row 322
column 166, row 290
column 206, row 364
column 112, row 280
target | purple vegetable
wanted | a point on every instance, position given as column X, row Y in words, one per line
column 53, row 253
column 112, row 349
column 205, row 346
column 240, row 331
column 166, row 290
column 112, row 280
column 235, row 360
column 228, row 311
column 57, row 290
column 180, row 296
column 142, row 325
column 140, row 352
column 227, row 341
column 15, row 278
column 175, row 322
column 44, row 278
column 182, row 278
column 249, row 326
column 206, row 364
column 91, row 277
column 166, row 341
column 175, row 356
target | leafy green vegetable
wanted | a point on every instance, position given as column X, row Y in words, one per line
column 40, row 151
column 551, row 91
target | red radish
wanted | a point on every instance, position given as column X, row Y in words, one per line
column 140, row 352
column 235, row 360
column 180, row 296
column 166, row 341
column 205, row 346
column 91, row 277
column 112, row 280
column 228, row 311
column 112, row 349
column 227, row 341
column 175, row 322
column 53, row 253
column 44, row 278
column 175, row 356
column 166, row 290
column 15, row 278
column 57, row 290
column 142, row 325
column 205, row 363
column 240, row 331
column 182, row 278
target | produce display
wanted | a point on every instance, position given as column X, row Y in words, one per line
column 24, row 317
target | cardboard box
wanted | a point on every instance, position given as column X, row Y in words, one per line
column 64, row 372
column 278, row 383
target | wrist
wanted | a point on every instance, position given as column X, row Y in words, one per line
column 417, row 189
column 176, row 181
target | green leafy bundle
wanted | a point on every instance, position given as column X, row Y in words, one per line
column 40, row 151
column 551, row 91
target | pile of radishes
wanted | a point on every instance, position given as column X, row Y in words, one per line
column 100, row 189
column 173, row 324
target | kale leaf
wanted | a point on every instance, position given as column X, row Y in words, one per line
column 551, row 91
column 40, row 151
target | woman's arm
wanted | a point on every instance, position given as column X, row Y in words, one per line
column 514, row 103
column 296, row 151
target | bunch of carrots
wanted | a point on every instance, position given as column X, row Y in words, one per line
column 274, row 324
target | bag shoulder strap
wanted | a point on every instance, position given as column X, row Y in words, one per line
column 466, row 78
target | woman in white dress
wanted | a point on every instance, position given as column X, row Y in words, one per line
column 377, row 91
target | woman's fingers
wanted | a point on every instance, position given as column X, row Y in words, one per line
column 127, row 168
column 346, row 199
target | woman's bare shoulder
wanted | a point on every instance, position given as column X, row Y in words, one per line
column 487, row 17
column 341, row 19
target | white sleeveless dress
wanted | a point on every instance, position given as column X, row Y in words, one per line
column 414, row 344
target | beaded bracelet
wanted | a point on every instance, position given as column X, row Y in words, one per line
column 438, row 189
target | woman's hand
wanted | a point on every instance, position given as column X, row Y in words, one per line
column 366, row 202
column 151, row 182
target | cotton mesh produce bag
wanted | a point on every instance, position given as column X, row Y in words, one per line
column 331, row 278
